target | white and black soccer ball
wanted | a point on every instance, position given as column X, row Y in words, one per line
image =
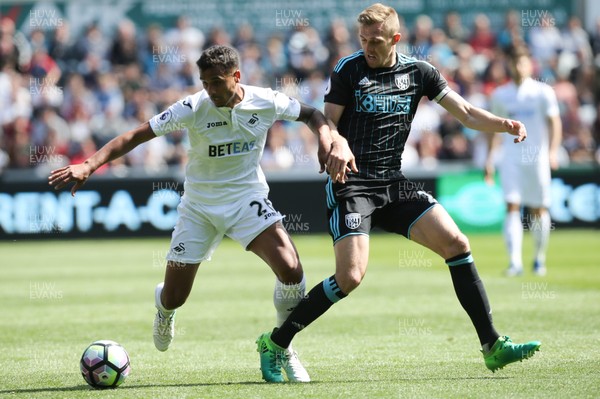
column 104, row 364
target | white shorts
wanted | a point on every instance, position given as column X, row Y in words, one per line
column 527, row 185
column 200, row 227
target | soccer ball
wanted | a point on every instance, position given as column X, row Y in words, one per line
column 104, row 364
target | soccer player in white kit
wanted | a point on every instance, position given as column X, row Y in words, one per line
column 225, row 191
column 525, row 170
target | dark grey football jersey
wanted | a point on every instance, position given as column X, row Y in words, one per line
column 380, row 105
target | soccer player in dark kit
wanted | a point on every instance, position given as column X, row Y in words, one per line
column 372, row 98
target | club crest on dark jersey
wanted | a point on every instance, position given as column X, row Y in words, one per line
column 353, row 220
column 402, row 81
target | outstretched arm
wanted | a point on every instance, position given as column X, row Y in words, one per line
column 479, row 119
column 114, row 149
column 334, row 155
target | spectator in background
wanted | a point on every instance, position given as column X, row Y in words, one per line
column 251, row 65
column 577, row 41
column 456, row 32
column 93, row 42
column 60, row 48
column 420, row 40
column 185, row 41
column 92, row 67
column 338, row 41
column 77, row 94
column 217, row 36
column 153, row 42
column 512, row 34
column 306, row 51
column 17, row 138
column 15, row 49
column 495, row 74
column 124, row 49
column 424, row 133
column 464, row 73
column 440, row 52
column 545, row 43
column 274, row 60
column 595, row 39
column 244, row 37
column 37, row 40
column 483, row 39
column 7, row 95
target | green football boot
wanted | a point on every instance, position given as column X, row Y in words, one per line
column 272, row 357
column 505, row 352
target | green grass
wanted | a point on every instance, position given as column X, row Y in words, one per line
column 402, row 334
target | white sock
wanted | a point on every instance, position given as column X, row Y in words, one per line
column 286, row 297
column 541, row 235
column 158, row 302
column 513, row 237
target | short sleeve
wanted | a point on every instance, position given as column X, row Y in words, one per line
column 435, row 87
column 338, row 91
column 176, row 117
column 287, row 108
column 552, row 108
column 496, row 105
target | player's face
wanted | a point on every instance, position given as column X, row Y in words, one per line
column 220, row 85
column 378, row 45
column 524, row 67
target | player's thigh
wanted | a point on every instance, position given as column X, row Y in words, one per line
column 511, row 183
column 535, row 186
column 401, row 214
column 436, row 230
column 194, row 237
column 248, row 218
column 350, row 216
column 256, row 225
column 275, row 247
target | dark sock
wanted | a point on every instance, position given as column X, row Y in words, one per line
column 313, row 305
column 471, row 295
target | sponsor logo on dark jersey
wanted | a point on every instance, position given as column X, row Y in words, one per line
column 391, row 104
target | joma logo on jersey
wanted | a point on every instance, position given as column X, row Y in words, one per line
column 391, row 104
column 235, row 147
column 216, row 124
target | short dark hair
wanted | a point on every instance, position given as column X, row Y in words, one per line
column 223, row 57
column 516, row 52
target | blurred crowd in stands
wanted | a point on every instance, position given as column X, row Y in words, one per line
column 64, row 95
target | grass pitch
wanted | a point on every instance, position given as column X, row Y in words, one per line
column 402, row 334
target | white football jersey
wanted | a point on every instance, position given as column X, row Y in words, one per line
column 531, row 103
column 226, row 144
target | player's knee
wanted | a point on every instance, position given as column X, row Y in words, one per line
column 349, row 281
column 461, row 243
column 288, row 268
column 458, row 244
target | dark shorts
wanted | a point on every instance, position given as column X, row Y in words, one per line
column 358, row 206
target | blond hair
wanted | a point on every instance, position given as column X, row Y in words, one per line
column 378, row 13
